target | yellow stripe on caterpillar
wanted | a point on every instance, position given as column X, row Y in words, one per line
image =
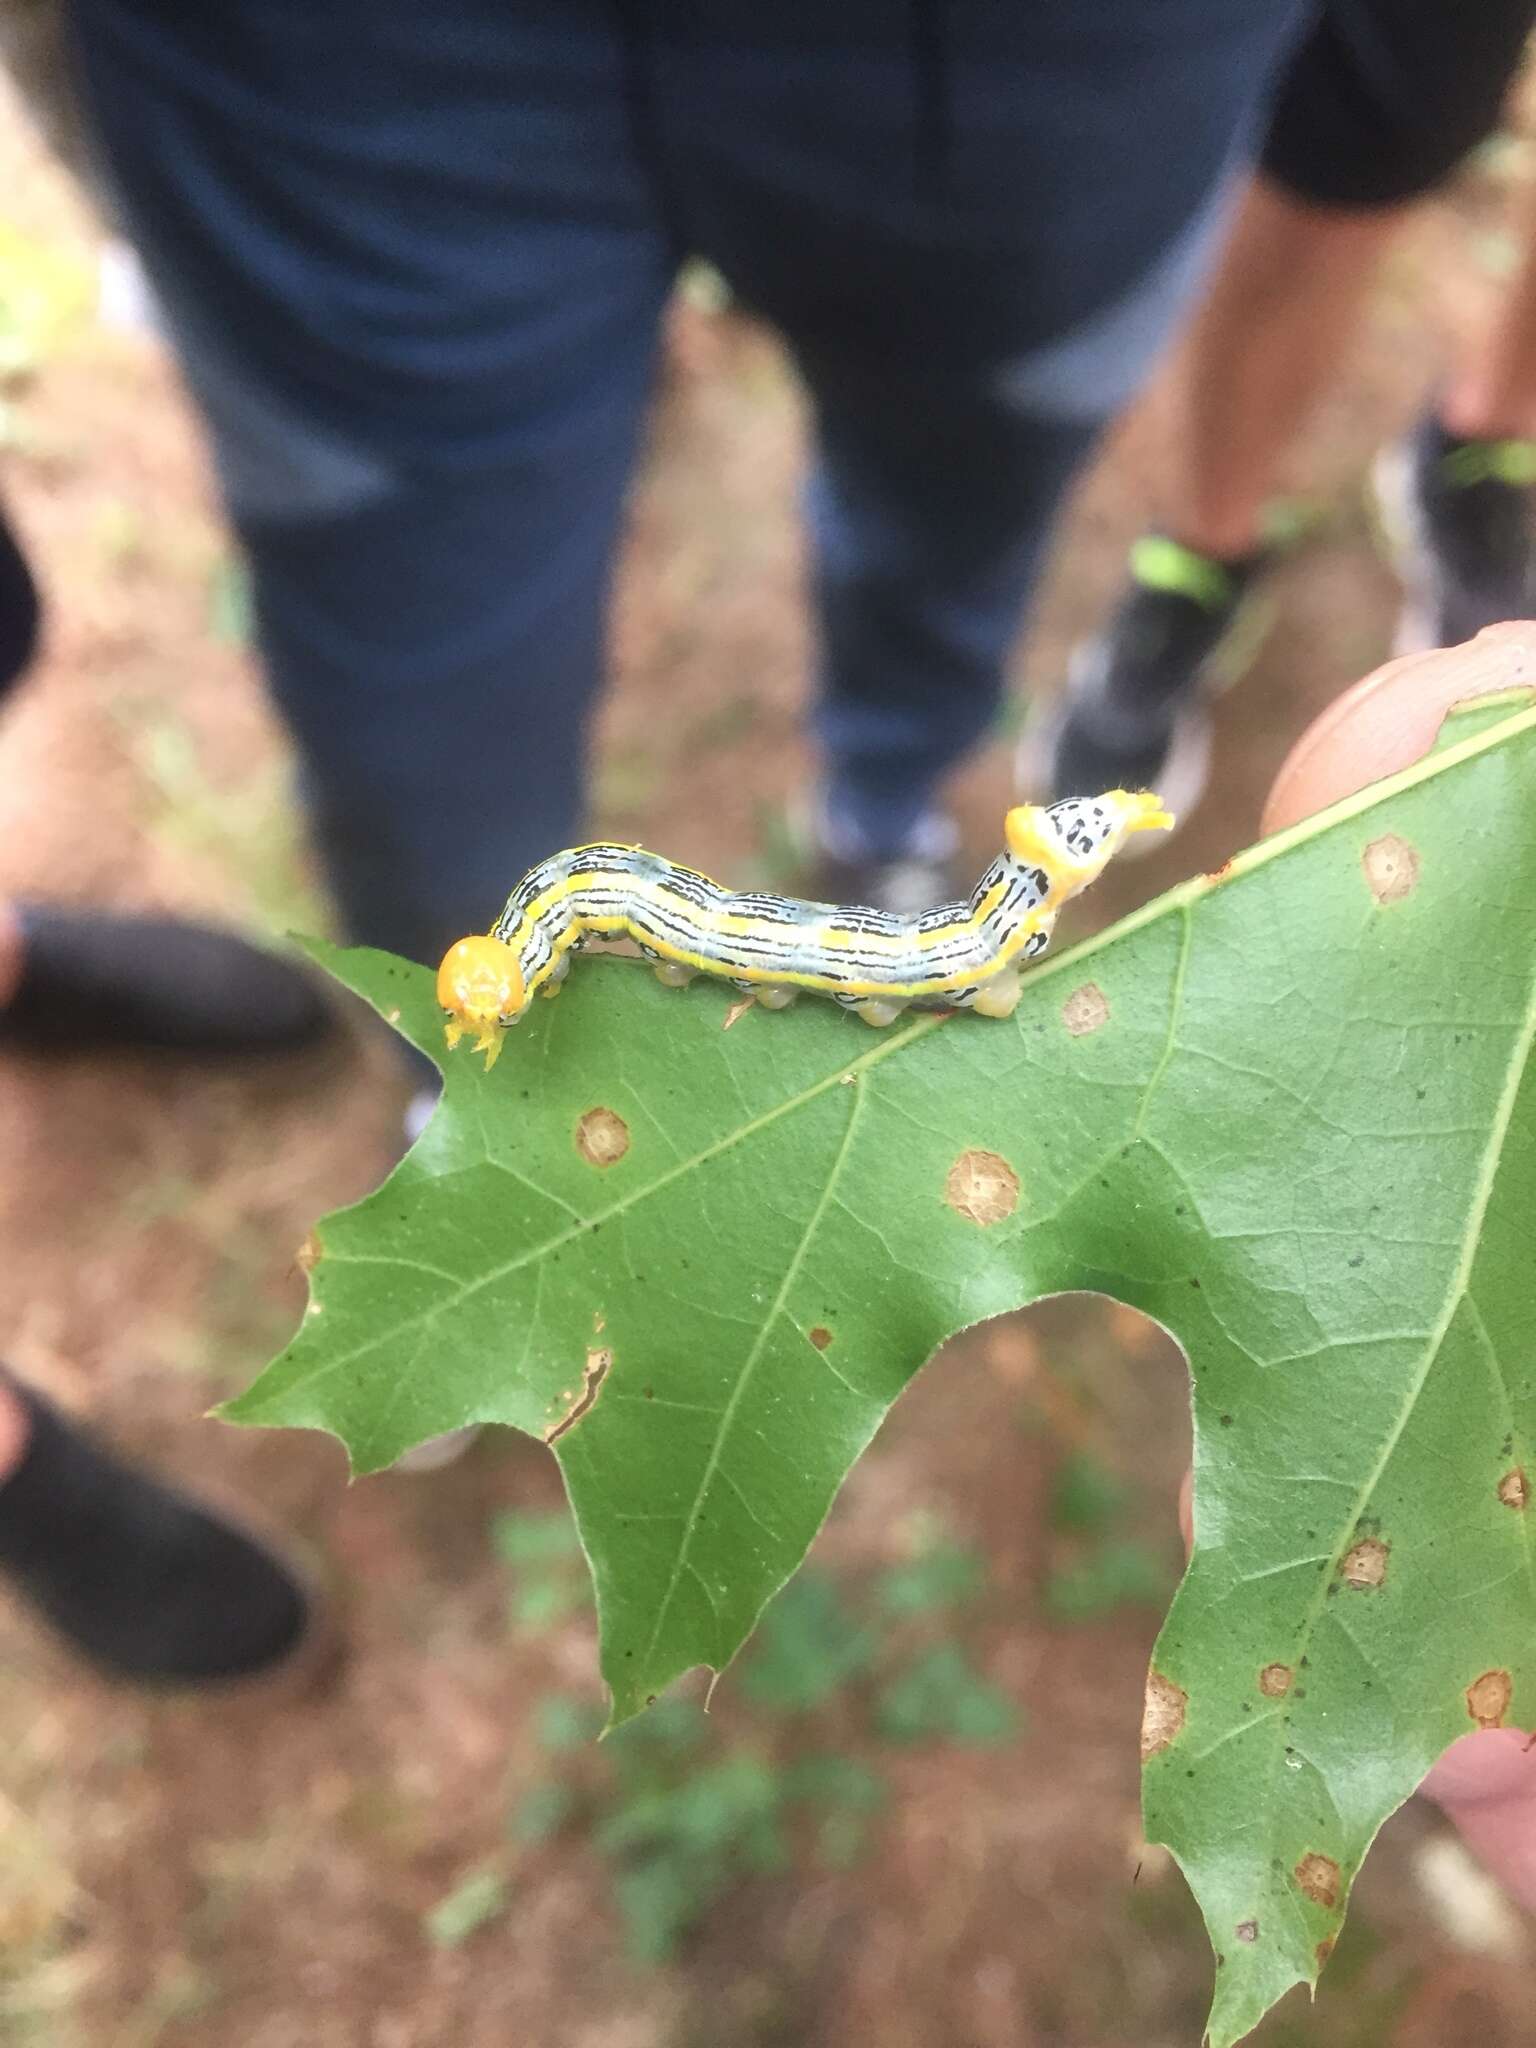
column 964, row 955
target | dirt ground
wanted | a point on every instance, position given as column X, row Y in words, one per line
column 262, row 1874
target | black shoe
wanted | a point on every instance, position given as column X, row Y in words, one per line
column 918, row 875
column 142, row 1581
column 94, row 982
column 1457, row 517
column 1132, row 715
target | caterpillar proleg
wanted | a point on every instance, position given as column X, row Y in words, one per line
column 964, row 955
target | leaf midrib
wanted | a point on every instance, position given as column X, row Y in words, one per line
column 1178, row 899
column 845, row 1070
column 1457, row 1290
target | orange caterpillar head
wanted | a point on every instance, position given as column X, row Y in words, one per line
column 480, row 987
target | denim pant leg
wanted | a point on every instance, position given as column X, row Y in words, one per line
column 931, row 506
column 410, row 261
column 975, row 225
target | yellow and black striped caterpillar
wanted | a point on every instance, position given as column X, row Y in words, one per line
column 959, row 956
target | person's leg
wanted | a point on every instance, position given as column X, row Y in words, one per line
column 1262, row 350
column 1458, row 493
column 949, row 215
column 1378, row 103
column 83, row 981
column 411, row 262
column 1491, row 394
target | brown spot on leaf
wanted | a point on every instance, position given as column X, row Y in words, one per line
column 1247, row 1930
column 1391, row 868
column 1324, row 1950
column 596, row 1372
column 1365, row 1567
column 1162, row 1716
column 1318, row 1877
column 1086, row 1010
column 821, row 1337
column 1488, row 1698
column 1275, row 1681
column 982, row 1187
column 311, row 1251
column 1219, row 874
column 602, row 1137
column 1515, row 1489
column 738, row 1010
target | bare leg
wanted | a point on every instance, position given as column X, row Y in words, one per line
column 673, row 974
column 10, row 954
column 774, row 997
column 1264, row 347
column 1492, row 397
column 15, row 1429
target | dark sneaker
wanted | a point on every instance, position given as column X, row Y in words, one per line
column 914, row 876
column 1457, row 518
column 1133, row 714
column 93, row 981
column 143, row 1581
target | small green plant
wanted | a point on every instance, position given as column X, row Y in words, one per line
column 477, row 1898
column 684, row 1806
column 550, row 1580
column 942, row 1696
column 1100, row 1564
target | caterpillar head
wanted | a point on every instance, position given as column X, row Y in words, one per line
column 480, row 987
column 1074, row 840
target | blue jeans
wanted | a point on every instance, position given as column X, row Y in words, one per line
column 415, row 257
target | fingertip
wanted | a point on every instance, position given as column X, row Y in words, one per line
column 1389, row 719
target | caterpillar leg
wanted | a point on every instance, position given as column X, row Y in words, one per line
column 673, row 974
column 998, row 997
column 774, row 997
column 557, row 974
column 877, row 1011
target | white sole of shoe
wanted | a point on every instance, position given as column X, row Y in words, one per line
column 1393, row 502
column 438, row 1451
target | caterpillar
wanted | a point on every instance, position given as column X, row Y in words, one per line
column 964, row 955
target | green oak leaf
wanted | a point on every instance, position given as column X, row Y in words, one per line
column 1287, row 1110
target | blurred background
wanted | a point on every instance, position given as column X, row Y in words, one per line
column 911, row 1814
